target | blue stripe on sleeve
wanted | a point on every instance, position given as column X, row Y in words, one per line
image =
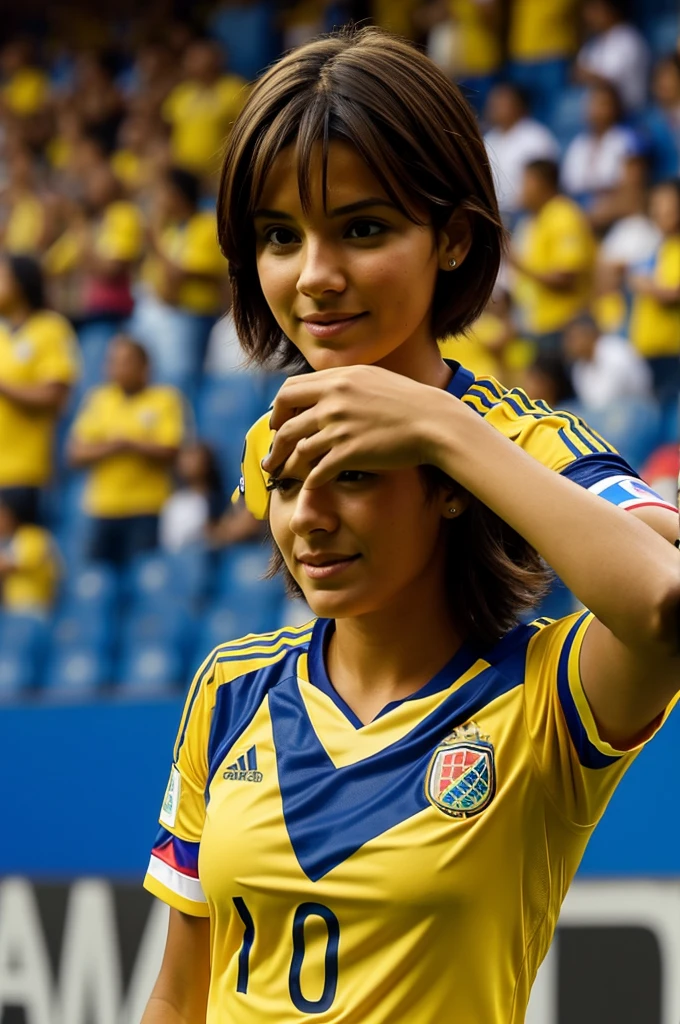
column 590, row 469
column 588, row 754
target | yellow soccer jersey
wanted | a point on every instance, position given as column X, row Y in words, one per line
column 43, row 350
column 129, row 483
column 543, row 29
column 389, row 872
column 655, row 328
column 32, row 585
column 193, row 246
column 557, row 239
column 560, row 440
column 201, row 118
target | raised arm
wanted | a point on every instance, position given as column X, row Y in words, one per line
column 628, row 576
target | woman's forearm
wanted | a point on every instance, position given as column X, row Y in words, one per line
column 159, row 1011
column 620, row 569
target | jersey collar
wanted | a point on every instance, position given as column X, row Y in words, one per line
column 323, row 630
column 461, row 380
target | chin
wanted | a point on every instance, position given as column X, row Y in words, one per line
column 338, row 604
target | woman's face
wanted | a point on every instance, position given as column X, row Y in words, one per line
column 664, row 209
column 349, row 284
column 362, row 543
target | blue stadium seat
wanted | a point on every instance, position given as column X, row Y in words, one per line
column 17, row 674
column 77, row 670
column 230, row 622
column 149, row 669
column 93, row 584
column 223, row 402
column 159, row 576
column 166, row 624
column 25, row 634
column 84, row 624
column 240, row 573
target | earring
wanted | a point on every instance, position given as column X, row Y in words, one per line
column 452, row 263
column 452, row 511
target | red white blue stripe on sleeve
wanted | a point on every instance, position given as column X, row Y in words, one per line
column 629, row 492
column 174, row 863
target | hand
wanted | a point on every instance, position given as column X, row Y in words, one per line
column 355, row 417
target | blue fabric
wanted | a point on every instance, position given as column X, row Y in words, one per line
column 331, row 812
column 590, row 469
column 116, row 541
column 588, row 754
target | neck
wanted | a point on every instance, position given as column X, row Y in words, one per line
column 384, row 656
column 419, row 359
column 17, row 316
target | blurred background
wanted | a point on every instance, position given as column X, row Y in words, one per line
column 124, row 401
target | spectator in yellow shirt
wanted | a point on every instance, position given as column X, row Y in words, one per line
column 553, row 254
column 127, row 434
column 201, row 109
column 26, row 213
column 542, row 39
column 38, row 365
column 655, row 317
column 29, row 564
column 183, row 281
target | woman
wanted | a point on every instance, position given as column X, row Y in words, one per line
column 398, row 131
column 414, row 713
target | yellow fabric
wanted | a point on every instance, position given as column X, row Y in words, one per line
column 59, row 152
column 201, row 118
column 128, row 483
column 265, row 767
column 479, row 44
column 120, row 232
column 655, row 328
column 192, row 246
column 128, row 168
column 395, row 16
column 558, row 238
column 32, row 584
column 554, row 438
column 63, row 255
column 27, row 91
column 543, row 29
column 43, row 350
column 25, row 226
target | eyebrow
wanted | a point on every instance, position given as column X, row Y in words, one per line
column 340, row 211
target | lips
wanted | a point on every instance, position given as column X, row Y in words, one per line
column 331, row 324
column 321, row 567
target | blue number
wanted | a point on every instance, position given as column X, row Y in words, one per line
column 248, row 937
column 304, row 911
column 330, row 985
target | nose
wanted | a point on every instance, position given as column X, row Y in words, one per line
column 321, row 272
column 314, row 512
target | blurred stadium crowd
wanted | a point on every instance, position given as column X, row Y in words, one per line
column 123, row 397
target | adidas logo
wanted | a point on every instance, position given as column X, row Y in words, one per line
column 244, row 768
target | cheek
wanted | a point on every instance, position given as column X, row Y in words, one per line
column 279, row 526
column 278, row 278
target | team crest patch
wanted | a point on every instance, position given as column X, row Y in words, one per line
column 461, row 777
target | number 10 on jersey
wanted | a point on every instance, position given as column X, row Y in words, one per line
column 302, row 914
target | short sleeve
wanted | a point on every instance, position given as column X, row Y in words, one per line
column 89, row 424
column 59, row 360
column 172, row 874
column 169, row 427
column 30, row 548
column 201, row 253
column 572, row 246
column 121, row 233
column 579, row 770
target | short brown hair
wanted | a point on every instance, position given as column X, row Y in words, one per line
column 493, row 575
column 414, row 130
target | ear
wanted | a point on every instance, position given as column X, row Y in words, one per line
column 453, row 502
column 454, row 239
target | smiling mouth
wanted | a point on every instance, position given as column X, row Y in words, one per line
column 323, row 570
column 327, row 328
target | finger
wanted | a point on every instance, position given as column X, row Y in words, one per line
column 288, row 436
column 329, row 465
column 302, row 392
